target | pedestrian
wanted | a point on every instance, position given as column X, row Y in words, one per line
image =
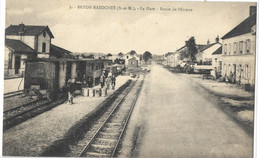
column 108, row 82
column 102, row 80
column 113, row 79
column 71, row 90
column 90, row 81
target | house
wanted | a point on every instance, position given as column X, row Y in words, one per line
column 239, row 49
column 29, row 41
column 205, row 55
column 177, row 59
column 25, row 42
column 132, row 63
column 217, row 59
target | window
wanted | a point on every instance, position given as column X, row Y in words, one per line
column 220, row 66
column 43, row 47
column 44, row 34
column 241, row 47
column 248, row 46
column 235, row 47
column 246, row 71
column 229, row 49
column 225, row 49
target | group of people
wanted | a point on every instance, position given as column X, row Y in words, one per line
column 107, row 81
column 88, row 82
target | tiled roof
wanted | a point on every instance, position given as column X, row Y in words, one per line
column 59, row 52
column 243, row 28
column 218, row 51
column 28, row 30
column 204, row 47
column 18, row 46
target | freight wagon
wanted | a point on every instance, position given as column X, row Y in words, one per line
column 53, row 74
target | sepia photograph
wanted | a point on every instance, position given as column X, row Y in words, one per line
column 148, row 79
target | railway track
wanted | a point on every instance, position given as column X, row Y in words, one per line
column 21, row 113
column 105, row 141
column 12, row 94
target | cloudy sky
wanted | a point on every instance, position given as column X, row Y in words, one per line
column 112, row 31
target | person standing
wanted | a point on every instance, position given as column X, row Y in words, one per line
column 102, row 80
column 108, row 82
column 71, row 90
column 113, row 79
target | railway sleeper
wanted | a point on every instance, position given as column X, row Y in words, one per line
column 104, row 141
column 108, row 136
column 96, row 154
column 103, row 149
column 110, row 130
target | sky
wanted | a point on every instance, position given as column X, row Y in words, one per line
column 114, row 31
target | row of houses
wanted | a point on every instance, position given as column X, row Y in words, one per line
column 234, row 56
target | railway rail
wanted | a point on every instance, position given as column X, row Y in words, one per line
column 12, row 94
column 105, row 141
column 23, row 112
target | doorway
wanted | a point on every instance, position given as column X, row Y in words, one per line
column 17, row 64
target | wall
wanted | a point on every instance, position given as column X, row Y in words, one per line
column 62, row 74
column 245, row 62
column 207, row 54
column 45, row 39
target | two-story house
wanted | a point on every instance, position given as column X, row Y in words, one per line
column 25, row 42
column 239, row 50
column 29, row 41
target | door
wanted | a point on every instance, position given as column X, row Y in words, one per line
column 17, row 64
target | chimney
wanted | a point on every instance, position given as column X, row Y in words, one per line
column 217, row 39
column 21, row 28
column 252, row 10
column 208, row 42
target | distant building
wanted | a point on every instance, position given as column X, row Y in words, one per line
column 176, row 56
column 239, row 50
column 217, row 60
column 132, row 63
column 205, row 55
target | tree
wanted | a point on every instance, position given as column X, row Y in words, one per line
column 147, row 55
column 120, row 54
column 191, row 50
column 109, row 55
column 132, row 52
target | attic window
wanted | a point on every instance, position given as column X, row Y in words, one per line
column 44, row 34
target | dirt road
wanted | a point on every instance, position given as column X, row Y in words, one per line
column 176, row 118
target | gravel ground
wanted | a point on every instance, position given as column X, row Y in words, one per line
column 15, row 101
column 32, row 137
column 220, row 88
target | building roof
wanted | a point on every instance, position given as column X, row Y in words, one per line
column 243, row 28
column 200, row 47
column 27, row 30
column 207, row 46
column 18, row 46
column 218, row 51
column 59, row 52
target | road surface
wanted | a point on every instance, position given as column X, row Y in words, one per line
column 181, row 120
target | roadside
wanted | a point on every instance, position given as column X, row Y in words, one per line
column 233, row 99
